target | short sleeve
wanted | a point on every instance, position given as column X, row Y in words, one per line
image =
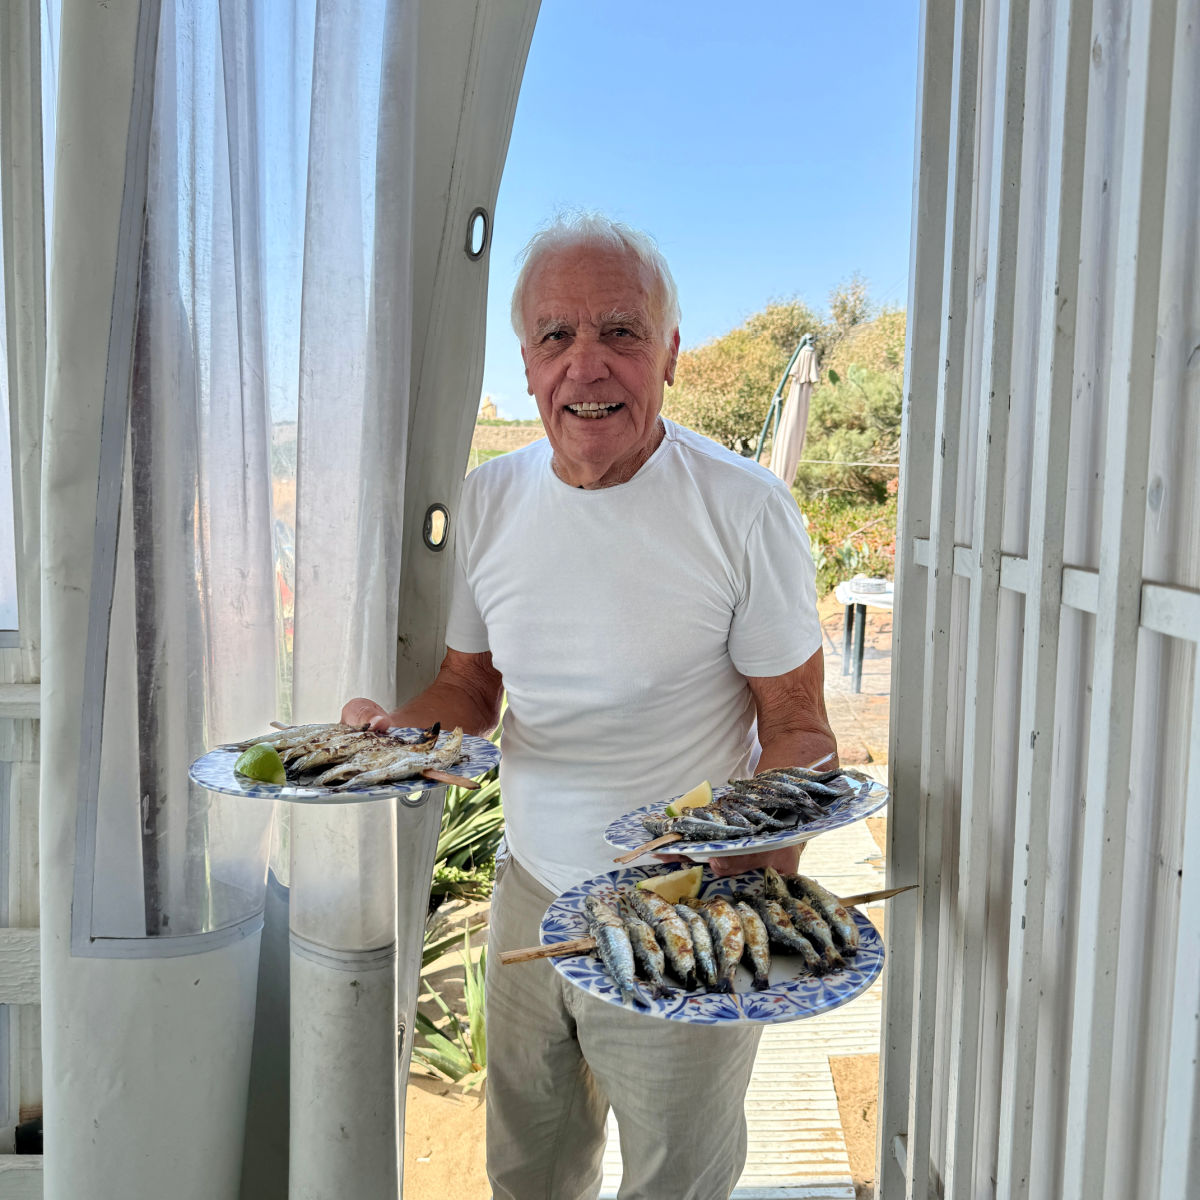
column 465, row 630
column 775, row 627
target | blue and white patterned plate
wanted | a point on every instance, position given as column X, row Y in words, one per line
column 793, row 993
column 628, row 832
column 214, row 771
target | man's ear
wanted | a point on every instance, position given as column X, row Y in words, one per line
column 525, row 363
column 672, row 359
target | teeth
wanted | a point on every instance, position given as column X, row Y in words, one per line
column 589, row 408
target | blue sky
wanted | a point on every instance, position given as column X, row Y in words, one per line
column 767, row 146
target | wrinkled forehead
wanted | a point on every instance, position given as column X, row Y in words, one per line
column 589, row 282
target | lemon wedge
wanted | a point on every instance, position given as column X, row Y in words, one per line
column 698, row 797
column 675, row 886
column 262, row 763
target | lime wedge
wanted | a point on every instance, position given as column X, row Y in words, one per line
column 698, row 797
column 262, row 763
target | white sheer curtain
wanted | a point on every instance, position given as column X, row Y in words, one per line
column 261, row 230
column 238, row 190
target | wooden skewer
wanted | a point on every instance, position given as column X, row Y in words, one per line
column 447, row 777
column 646, row 847
column 559, row 949
column 871, row 897
column 584, row 944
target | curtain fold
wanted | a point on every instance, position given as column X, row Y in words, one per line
column 224, row 515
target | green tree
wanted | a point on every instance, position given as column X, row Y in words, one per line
column 855, row 420
column 723, row 388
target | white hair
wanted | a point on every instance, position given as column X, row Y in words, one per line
column 575, row 229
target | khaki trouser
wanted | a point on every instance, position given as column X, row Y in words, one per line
column 558, row 1058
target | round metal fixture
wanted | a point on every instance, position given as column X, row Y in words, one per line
column 437, row 526
column 478, row 228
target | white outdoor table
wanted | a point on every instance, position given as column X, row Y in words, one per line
column 856, row 602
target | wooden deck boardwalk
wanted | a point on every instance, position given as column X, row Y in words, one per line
column 796, row 1145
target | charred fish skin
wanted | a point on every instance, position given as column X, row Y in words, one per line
column 693, row 830
column 648, row 955
column 807, row 774
column 756, row 949
column 672, row 933
column 754, row 814
column 280, row 739
column 319, row 752
column 725, row 929
column 766, row 795
column 780, row 930
column 614, row 947
column 706, row 963
column 778, row 784
column 729, row 813
column 370, row 757
column 810, row 923
column 829, row 906
column 410, row 765
column 804, row 917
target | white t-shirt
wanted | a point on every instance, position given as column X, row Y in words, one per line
column 624, row 621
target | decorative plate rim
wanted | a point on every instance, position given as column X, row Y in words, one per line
column 627, row 832
column 790, row 998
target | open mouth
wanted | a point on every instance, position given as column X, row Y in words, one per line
column 591, row 411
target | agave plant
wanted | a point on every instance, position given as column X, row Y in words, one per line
column 458, row 1050
column 472, row 823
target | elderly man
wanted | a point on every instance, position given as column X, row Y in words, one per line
column 646, row 599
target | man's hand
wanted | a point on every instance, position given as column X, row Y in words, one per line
column 466, row 692
column 785, row 861
column 361, row 711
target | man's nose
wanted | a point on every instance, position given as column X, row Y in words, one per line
column 586, row 362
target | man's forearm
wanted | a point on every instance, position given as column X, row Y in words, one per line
column 466, row 694
column 450, row 704
column 802, row 748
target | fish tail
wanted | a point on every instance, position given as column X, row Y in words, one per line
column 761, row 983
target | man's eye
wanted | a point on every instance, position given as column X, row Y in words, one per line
column 554, row 335
column 622, row 331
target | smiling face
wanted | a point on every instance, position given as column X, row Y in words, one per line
column 596, row 361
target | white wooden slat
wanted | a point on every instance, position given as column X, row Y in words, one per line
column 24, row 282
column 918, row 447
column 1171, row 610
column 1180, row 1152
column 25, row 912
column 1165, row 608
column 1014, row 574
column 20, row 971
column 1081, row 589
column 20, row 701
column 1130, row 396
column 968, row 906
column 20, row 1177
column 956, row 290
column 1044, row 579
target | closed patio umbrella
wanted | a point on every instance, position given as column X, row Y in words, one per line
column 789, row 440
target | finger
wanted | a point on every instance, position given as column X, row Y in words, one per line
column 382, row 723
column 731, row 864
column 673, row 858
column 359, row 711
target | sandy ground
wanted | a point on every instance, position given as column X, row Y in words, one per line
column 443, row 1143
column 856, row 1082
column 444, row 1129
